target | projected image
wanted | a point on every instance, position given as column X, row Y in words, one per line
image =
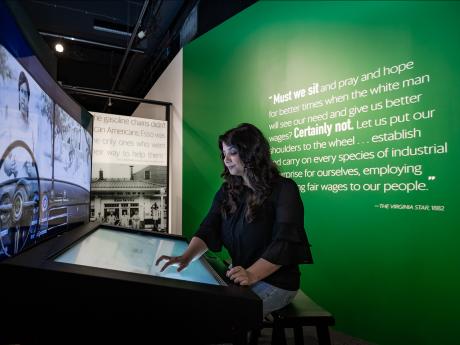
column 19, row 198
column 72, row 150
column 25, row 134
column 43, row 188
column 72, row 169
column 26, row 112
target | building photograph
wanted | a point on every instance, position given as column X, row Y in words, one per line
column 134, row 197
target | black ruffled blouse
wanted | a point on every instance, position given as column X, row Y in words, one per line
column 276, row 234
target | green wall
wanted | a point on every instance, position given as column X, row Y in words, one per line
column 385, row 242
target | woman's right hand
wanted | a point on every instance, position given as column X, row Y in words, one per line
column 182, row 262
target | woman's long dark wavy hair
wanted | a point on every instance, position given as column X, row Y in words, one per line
column 261, row 171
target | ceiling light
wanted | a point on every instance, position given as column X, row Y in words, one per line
column 112, row 31
column 141, row 34
column 59, row 47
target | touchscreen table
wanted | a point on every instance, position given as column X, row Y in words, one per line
column 106, row 275
column 135, row 252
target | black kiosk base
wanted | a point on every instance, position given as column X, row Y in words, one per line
column 99, row 283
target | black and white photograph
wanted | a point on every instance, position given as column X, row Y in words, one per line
column 133, row 196
column 26, row 114
column 27, row 110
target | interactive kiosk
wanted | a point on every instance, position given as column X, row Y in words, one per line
column 106, row 276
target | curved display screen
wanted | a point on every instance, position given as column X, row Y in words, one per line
column 45, row 147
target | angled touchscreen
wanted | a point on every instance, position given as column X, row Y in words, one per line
column 134, row 252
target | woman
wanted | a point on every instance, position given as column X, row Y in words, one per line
column 258, row 216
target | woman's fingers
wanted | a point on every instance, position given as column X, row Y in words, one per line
column 239, row 275
column 182, row 265
column 234, row 270
column 169, row 261
column 242, row 280
column 161, row 258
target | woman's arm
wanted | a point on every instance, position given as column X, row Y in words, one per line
column 257, row 271
column 289, row 244
column 195, row 249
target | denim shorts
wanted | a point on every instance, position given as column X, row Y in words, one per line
column 273, row 298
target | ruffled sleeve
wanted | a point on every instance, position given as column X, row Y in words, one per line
column 289, row 244
column 210, row 227
column 289, row 247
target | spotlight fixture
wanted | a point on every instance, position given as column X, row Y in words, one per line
column 59, row 47
column 141, row 34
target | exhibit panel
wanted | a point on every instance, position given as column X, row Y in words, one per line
column 358, row 102
column 179, row 305
column 129, row 185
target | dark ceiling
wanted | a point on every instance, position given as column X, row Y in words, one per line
column 103, row 51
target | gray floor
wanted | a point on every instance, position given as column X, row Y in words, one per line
column 309, row 334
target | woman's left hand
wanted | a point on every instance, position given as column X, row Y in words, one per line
column 239, row 275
